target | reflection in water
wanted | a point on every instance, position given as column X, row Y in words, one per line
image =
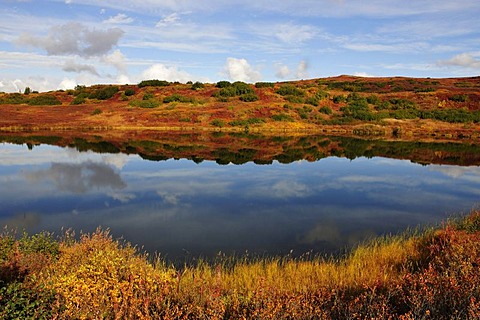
column 179, row 206
column 78, row 178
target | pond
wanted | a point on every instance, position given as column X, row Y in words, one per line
column 186, row 209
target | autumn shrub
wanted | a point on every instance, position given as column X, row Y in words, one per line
column 129, row 92
column 98, row 277
column 218, row 123
column 44, row 100
column 104, row 93
column 429, row 274
column 80, row 98
column 150, row 103
column 223, row 84
column 153, row 83
column 197, row 86
column 283, row 117
column 264, row 85
column 249, row 97
column 178, row 98
column 290, row 90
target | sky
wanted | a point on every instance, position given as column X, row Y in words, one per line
column 58, row 44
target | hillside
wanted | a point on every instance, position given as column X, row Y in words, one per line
column 409, row 108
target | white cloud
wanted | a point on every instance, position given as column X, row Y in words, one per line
column 363, row 74
column 240, row 70
column 294, row 34
column 465, row 60
column 74, row 38
column 162, row 72
column 120, row 18
column 302, row 70
column 67, row 84
column 168, row 20
column 282, row 71
column 117, row 59
column 72, row 66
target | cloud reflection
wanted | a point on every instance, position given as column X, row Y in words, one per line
column 78, row 178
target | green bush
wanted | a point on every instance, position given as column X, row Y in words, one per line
column 223, row 84
column 242, row 88
column 44, row 100
column 14, row 98
column 80, row 99
column 339, row 98
column 218, row 123
column 282, row 117
column 104, row 93
column 153, row 83
column 325, row 110
column 148, row 96
column 290, row 90
column 264, row 85
column 314, row 101
column 96, row 111
column 246, row 122
column 151, row 103
column 129, row 92
column 249, row 97
column 197, row 86
column 294, row 99
column 459, row 98
column 322, row 94
column 177, row 98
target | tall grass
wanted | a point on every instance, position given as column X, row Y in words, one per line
column 434, row 274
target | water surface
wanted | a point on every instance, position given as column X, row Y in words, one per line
column 183, row 209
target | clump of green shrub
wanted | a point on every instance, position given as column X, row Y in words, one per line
column 264, row 85
column 218, row 123
column 290, row 90
column 153, row 83
column 283, row 117
column 249, row 97
column 235, row 89
column 150, row 103
column 197, row 86
column 459, row 98
column 104, row 93
column 325, row 110
column 96, row 111
column 44, row 100
column 80, row 98
column 223, row 84
column 246, row 122
column 129, row 92
column 178, row 98
column 14, row 98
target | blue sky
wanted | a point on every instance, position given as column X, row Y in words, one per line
column 58, row 44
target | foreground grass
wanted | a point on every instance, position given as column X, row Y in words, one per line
column 433, row 275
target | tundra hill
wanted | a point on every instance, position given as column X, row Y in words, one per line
column 408, row 108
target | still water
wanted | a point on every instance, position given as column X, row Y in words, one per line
column 182, row 209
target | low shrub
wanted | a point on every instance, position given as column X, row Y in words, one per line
column 290, row 90
column 153, row 83
column 129, row 92
column 151, row 103
column 283, row 117
column 197, row 86
column 249, row 97
column 44, row 100
column 104, row 93
column 178, row 98
column 218, row 123
column 264, row 85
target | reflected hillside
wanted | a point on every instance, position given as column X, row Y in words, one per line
column 240, row 148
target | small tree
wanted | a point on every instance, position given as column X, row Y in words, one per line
column 27, row 91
